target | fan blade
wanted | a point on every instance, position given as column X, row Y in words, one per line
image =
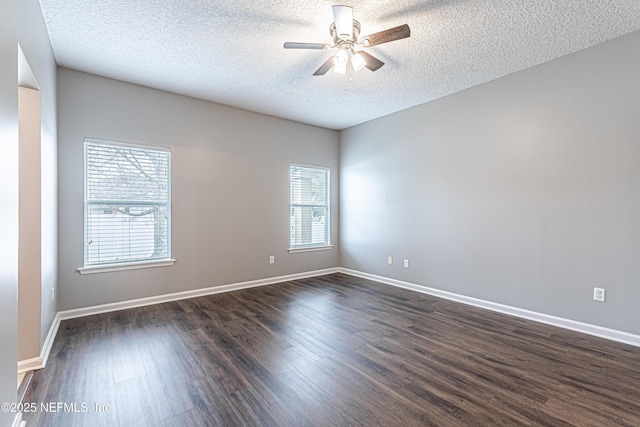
column 343, row 17
column 324, row 67
column 372, row 63
column 295, row 45
column 387, row 36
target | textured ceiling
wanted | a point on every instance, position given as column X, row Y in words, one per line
column 231, row 52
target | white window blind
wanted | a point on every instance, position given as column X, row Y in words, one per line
column 309, row 207
column 127, row 203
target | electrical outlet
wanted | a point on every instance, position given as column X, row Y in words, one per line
column 406, row 263
column 53, row 294
column 389, row 260
column 272, row 259
column 599, row 294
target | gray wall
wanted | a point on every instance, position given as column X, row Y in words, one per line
column 522, row 191
column 8, row 203
column 34, row 42
column 230, row 187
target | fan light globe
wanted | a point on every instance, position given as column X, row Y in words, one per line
column 342, row 57
column 340, row 62
column 340, row 68
column 358, row 62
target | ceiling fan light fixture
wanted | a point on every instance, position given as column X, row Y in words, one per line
column 340, row 62
column 357, row 61
column 340, row 68
column 350, row 56
column 342, row 57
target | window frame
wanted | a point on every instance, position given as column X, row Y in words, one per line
column 89, row 268
column 312, row 246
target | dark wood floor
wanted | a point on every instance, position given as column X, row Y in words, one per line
column 330, row 351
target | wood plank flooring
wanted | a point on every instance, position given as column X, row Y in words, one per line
column 330, row 351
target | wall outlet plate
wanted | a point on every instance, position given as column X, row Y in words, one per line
column 599, row 294
column 389, row 260
column 406, row 263
column 272, row 259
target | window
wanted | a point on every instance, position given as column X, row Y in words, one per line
column 309, row 207
column 127, row 203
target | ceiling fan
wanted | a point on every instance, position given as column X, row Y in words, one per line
column 345, row 32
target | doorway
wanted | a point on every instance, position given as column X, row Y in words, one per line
column 29, row 219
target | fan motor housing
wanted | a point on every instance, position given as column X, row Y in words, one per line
column 340, row 42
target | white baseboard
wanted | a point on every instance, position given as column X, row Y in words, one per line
column 51, row 336
column 41, row 361
column 598, row 331
column 17, row 421
column 141, row 302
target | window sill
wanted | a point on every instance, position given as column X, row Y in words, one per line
column 310, row 249
column 104, row 268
